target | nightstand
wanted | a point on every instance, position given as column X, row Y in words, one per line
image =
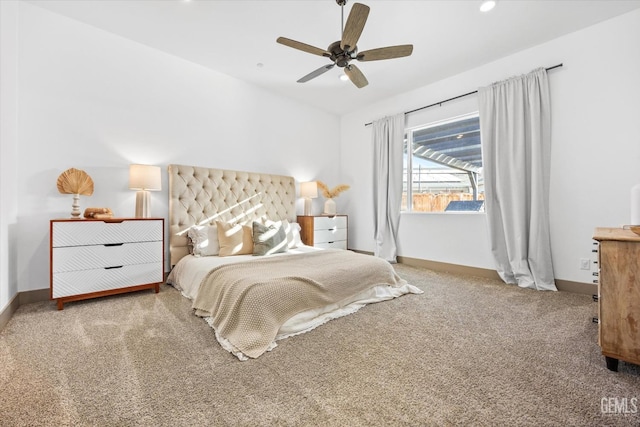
column 324, row 231
column 93, row 258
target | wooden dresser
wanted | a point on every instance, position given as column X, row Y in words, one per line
column 324, row 231
column 619, row 295
column 92, row 258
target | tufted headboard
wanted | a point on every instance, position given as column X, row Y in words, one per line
column 200, row 196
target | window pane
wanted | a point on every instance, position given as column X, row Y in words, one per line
column 445, row 166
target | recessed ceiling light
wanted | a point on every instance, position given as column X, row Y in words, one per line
column 344, row 77
column 487, row 5
column 259, row 65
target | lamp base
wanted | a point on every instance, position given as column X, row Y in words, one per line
column 307, row 206
column 143, row 204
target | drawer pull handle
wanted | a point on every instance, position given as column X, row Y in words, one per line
column 595, row 298
column 115, row 266
column 113, row 244
column 330, row 242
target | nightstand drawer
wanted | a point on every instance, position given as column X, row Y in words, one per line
column 329, row 222
column 75, row 258
column 104, row 279
column 341, row 244
column 82, row 233
column 325, row 236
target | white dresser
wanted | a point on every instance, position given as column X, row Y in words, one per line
column 93, row 258
column 324, row 231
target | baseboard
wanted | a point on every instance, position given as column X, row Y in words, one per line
column 562, row 285
column 27, row 297
column 445, row 267
column 7, row 312
column 19, row 299
column 576, row 287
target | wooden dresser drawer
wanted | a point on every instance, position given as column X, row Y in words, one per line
column 82, row 233
column 340, row 244
column 104, row 279
column 329, row 222
column 74, row 258
column 326, row 236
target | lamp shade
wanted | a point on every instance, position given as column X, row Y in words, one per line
column 309, row 190
column 144, row 177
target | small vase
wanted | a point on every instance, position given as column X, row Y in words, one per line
column 75, row 207
column 329, row 207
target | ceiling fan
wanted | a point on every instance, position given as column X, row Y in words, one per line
column 344, row 51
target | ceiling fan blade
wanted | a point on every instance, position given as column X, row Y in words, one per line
column 354, row 26
column 316, row 73
column 389, row 52
column 356, row 76
column 303, row 47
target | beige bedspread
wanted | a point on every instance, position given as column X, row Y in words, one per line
column 248, row 302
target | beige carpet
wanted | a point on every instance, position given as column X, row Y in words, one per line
column 467, row 352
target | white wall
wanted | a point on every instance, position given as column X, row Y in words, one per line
column 8, row 144
column 595, row 101
column 94, row 101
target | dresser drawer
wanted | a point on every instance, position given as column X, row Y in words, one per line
column 325, row 236
column 328, row 222
column 74, row 258
column 82, row 233
column 104, row 279
column 341, row 244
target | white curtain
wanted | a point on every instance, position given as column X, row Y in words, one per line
column 515, row 127
column 388, row 135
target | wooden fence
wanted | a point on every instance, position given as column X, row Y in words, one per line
column 435, row 202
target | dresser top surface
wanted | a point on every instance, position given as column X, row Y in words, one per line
column 619, row 234
column 103, row 219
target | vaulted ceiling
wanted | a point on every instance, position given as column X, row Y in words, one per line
column 238, row 37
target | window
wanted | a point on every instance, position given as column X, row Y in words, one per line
column 443, row 167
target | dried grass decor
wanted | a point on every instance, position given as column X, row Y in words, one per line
column 334, row 192
column 75, row 181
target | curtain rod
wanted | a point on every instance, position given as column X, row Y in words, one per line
column 456, row 97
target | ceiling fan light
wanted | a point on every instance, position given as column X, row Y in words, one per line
column 487, row 5
column 344, row 77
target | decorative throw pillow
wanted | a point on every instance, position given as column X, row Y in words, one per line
column 268, row 239
column 204, row 239
column 292, row 230
column 234, row 239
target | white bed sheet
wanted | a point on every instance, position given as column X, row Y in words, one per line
column 187, row 275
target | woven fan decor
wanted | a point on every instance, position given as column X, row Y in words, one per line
column 75, row 181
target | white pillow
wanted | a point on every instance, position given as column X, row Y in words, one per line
column 291, row 229
column 204, row 239
column 293, row 236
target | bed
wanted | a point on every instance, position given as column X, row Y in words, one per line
column 236, row 253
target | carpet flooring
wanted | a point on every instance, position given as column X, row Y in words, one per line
column 467, row 352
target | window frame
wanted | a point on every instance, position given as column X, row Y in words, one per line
column 408, row 172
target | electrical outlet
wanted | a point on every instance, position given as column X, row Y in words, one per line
column 585, row 264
